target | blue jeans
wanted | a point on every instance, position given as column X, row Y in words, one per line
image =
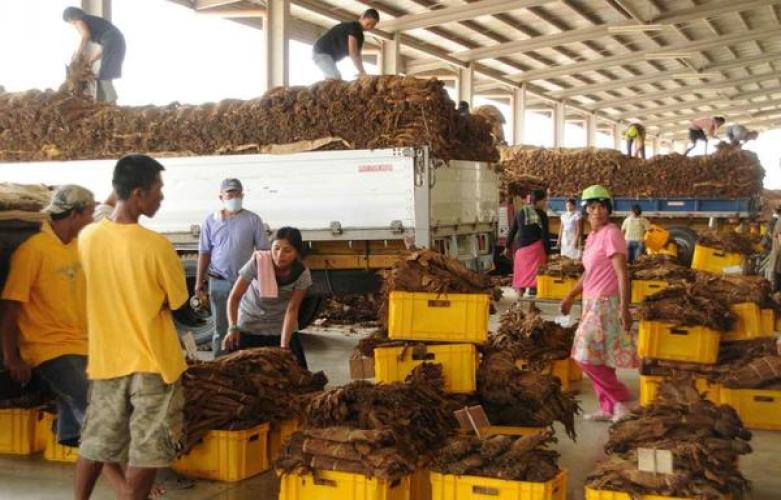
column 635, row 249
column 219, row 290
column 67, row 378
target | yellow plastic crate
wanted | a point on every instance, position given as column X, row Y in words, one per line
column 649, row 384
column 331, row 485
column 554, row 287
column 227, row 455
column 455, row 317
column 716, row 261
column 451, row 487
column 278, row 435
column 643, row 288
column 459, row 364
column 692, row 344
column 17, row 431
column 559, row 368
column 575, row 372
column 768, row 322
column 43, row 429
column 748, row 325
column 420, row 484
column 592, row 494
column 52, row 450
column 757, row 408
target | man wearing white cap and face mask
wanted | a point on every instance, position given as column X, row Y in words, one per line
column 228, row 239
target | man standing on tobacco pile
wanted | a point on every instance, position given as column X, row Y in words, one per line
column 111, row 53
column 44, row 320
column 342, row 40
column 739, row 135
column 702, row 128
column 635, row 132
column 228, row 239
column 134, row 281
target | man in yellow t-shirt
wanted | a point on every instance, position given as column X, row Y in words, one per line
column 634, row 228
column 134, row 281
column 44, row 326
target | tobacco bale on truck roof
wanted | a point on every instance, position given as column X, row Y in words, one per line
column 369, row 113
column 728, row 173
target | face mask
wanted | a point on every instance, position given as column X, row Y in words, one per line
column 232, row 205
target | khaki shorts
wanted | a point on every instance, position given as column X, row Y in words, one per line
column 137, row 419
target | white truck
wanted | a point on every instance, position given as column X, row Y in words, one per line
column 356, row 209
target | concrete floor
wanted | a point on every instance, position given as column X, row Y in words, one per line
column 32, row 478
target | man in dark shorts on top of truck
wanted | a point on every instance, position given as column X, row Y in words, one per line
column 342, row 40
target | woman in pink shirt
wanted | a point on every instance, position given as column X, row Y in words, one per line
column 603, row 341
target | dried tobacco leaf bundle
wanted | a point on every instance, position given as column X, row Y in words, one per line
column 562, row 267
column 244, row 389
column 371, row 112
column 685, row 304
column 705, row 440
column 727, row 241
column 504, row 457
column 728, row 173
column 350, row 310
column 660, row 267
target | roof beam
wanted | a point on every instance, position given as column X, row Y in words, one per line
column 708, row 9
column 740, row 97
column 458, row 13
column 570, row 69
column 731, row 111
column 211, row 4
column 699, row 89
column 770, row 112
column 234, row 13
column 663, row 75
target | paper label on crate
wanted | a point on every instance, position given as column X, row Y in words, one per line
column 190, row 347
column 732, row 270
column 655, row 461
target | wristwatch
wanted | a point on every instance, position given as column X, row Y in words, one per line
column 233, row 328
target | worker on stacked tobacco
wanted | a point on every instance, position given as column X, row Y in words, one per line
column 228, row 239
column 342, row 40
column 134, row 280
column 702, row 128
column 739, row 135
column 111, row 53
column 635, row 133
column 44, row 319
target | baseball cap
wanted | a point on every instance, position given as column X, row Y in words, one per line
column 69, row 197
column 231, row 184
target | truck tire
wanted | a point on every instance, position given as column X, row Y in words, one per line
column 685, row 238
column 309, row 310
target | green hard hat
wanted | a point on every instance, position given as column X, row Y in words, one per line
column 595, row 192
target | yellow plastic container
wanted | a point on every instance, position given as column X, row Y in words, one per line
column 559, row 368
column 17, row 431
column 691, row 344
column 52, row 450
column 451, row 487
column 333, row 485
column 459, row 364
column 748, row 325
column 768, row 322
column 554, row 287
column 227, row 455
column 420, row 484
column 649, row 384
column 575, row 373
column 670, row 249
column 455, row 317
column 643, row 288
column 43, row 429
column 716, row 261
column 278, row 435
column 592, row 494
column 757, row 408
column 656, row 238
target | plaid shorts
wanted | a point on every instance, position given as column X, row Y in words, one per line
column 137, row 419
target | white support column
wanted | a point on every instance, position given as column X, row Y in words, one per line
column 276, row 25
column 617, row 136
column 591, row 130
column 518, row 114
column 657, row 145
column 100, row 8
column 390, row 56
column 465, row 84
column 558, row 124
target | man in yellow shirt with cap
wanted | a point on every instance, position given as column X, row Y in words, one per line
column 43, row 322
column 134, row 281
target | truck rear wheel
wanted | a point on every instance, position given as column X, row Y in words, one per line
column 685, row 238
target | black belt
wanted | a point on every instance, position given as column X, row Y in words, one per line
column 217, row 277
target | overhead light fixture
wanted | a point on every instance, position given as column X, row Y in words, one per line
column 695, row 76
column 670, row 55
column 637, row 28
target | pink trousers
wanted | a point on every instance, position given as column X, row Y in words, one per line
column 607, row 387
